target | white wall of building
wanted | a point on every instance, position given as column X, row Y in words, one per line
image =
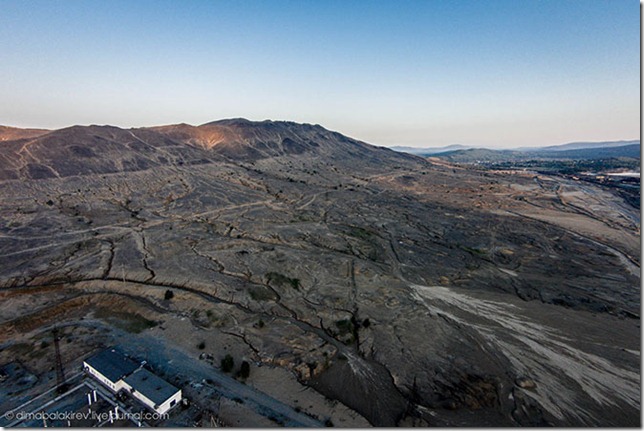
column 101, row 378
column 161, row 409
column 168, row 404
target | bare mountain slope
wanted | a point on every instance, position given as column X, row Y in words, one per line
column 93, row 150
column 241, row 139
column 13, row 133
column 413, row 292
column 89, row 150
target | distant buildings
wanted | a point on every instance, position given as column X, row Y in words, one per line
column 119, row 373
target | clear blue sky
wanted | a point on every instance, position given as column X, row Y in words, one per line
column 404, row 72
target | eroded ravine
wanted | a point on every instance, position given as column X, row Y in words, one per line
column 556, row 358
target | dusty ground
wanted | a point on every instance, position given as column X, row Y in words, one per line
column 429, row 290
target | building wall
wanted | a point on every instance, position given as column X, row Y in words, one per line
column 167, row 405
column 164, row 407
column 125, row 385
column 120, row 385
column 101, row 378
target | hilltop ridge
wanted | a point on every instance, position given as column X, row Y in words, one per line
column 94, row 149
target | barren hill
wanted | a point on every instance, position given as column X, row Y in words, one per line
column 89, row 150
column 412, row 292
column 12, row 133
column 241, row 139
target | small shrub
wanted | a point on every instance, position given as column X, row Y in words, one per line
column 344, row 326
column 281, row 279
column 360, row 233
column 201, row 345
column 244, row 371
column 168, row 295
column 227, row 363
column 260, row 293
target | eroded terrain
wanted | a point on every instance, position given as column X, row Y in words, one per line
column 388, row 289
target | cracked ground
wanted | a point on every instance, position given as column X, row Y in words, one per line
column 410, row 292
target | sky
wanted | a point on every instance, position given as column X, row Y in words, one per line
column 406, row 72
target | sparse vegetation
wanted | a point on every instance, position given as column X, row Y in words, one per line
column 360, row 233
column 130, row 322
column 281, row 280
column 260, row 293
column 237, row 248
column 344, row 326
column 227, row 363
column 474, row 251
column 244, row 370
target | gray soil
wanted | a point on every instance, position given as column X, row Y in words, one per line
column 412, row 291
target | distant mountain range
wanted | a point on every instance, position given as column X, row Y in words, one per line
column 575, row 150
column 482, row 155
column 429, row 151
column 81, row 150
column 581, row 146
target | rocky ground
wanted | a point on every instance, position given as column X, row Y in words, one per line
column 410, row 292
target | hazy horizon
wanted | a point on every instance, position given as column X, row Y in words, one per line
column 497, row 74
column 393, row 145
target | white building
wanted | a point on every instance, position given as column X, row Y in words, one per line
column 152, row 390
column 110, row 367
column 118, row 373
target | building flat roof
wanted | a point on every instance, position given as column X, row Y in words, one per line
column 151, row 386
column 112, row 364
